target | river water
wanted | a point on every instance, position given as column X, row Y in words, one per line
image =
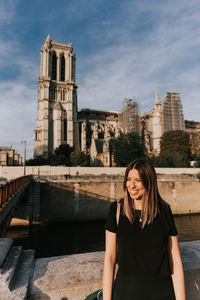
column 80, row 237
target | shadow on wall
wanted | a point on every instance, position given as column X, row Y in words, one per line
column 64, row 203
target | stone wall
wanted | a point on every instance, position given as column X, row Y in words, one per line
column 87, row 192
column 79, row 199
column 14, row 172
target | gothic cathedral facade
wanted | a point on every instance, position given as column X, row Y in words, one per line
column 59, row 122
column 57, row 99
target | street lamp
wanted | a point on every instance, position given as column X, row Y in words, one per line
column 24, row 142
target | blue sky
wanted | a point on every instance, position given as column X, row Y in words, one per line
column 123, row 49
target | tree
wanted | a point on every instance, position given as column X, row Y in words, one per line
column 197, row 161
column 37, row 161
column 126, row 148
column 61, row 156
column 175, row 142
column 79, row 158
column 170, row 161
column 174, row 150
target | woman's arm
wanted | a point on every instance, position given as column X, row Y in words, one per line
column 109, row 264
column 176, row 268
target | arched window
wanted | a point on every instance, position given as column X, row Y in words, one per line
column 63, row 94
column 62, row 68
column 54, row 66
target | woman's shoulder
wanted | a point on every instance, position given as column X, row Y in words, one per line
column 113, row 205
column 164, row 206
column 165, row 210
column 167, row 216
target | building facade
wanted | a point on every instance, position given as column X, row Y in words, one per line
column 193, row 129
column 57, row 99
column 9, row 157
column 59, row 122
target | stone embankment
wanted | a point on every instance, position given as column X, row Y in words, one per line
column 72, row 277
column 16, row 269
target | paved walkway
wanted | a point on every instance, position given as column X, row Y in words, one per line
column 76, row 276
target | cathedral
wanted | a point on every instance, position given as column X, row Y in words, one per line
column 59, row 121
column 57, row 99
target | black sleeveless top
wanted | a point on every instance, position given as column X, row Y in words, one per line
column 142, row 251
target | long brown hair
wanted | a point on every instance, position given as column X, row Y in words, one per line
column 151, row 199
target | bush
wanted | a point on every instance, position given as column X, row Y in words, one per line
column 79, row 158
column 171, row 161
column 197, row 162
column 126, row 148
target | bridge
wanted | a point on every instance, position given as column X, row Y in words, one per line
column 10, row 194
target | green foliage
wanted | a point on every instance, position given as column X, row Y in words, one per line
column 126, row 148
column 175, row 150
column 175, row 142
column 198, row 176
column 61, row 157
column 64, row 150
column 197, row 162
column 171, row 161
column 38, row 161
column 79, row 158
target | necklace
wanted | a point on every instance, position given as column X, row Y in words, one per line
column 139, row 215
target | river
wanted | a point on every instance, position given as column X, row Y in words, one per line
column 80, row 237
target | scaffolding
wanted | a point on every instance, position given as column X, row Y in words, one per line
column 172, row 112
column 130, row 116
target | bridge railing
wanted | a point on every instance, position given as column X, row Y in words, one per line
column 9, row 189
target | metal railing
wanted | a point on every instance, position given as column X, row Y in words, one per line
column 8, row 190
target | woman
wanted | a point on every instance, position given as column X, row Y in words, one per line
column 144, row 242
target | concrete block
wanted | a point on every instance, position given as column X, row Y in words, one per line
column 23, row 273
column 5, row 244
column 190, row 253
column 9, row 266
column 73, row 277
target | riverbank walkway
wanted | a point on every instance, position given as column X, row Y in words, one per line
column 71, row 277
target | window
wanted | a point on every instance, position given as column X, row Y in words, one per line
column 62, row 69
column 63, row 94
column 54, row 66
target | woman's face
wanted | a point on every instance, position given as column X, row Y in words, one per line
column 134, row 185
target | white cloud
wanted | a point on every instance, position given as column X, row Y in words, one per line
column 17, row 114
column 168, row 55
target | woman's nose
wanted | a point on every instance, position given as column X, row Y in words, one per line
column 132, row 184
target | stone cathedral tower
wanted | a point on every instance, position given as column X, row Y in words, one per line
column 57, row 99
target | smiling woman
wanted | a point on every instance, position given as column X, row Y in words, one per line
column 143, row 241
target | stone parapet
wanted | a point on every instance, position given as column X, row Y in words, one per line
column 14, row 172
column 74, row 277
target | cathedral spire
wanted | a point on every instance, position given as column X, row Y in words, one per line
column 48, row 39
column 157, row 101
